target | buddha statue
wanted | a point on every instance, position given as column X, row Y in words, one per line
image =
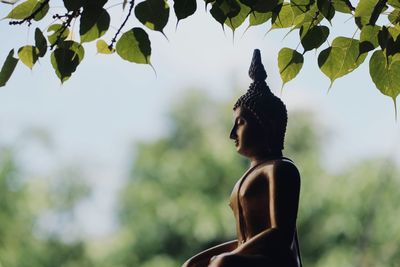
column 265, row 199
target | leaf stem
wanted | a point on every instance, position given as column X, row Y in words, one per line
column 118, row 4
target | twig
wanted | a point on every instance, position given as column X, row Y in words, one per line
column 31, row 16
column 65, row 25
column 114, row 39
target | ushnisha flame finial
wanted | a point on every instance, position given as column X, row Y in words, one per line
column 257, row 72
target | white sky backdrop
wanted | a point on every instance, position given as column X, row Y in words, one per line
column 109, row 104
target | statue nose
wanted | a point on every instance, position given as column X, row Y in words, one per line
column 233, row 135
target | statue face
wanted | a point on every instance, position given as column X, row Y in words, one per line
column 249, row 136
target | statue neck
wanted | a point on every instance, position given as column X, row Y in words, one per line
column 262, row 158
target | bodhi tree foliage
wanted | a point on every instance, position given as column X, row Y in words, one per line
column 376, row 24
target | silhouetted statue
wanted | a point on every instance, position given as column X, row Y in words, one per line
column 265, row 199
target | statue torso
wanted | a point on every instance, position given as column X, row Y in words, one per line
column 249, row 201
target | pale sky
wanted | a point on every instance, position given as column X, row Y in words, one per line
column 109, row 104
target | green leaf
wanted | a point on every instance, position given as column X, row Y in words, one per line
column 341, row 6
column 56, row 29
column 284, row 19
column 72, row 5
column 394, row 16
column 394, row 3
column 314, row 37
column 134, row 46
column 364, row 11
column 290, row 63
column 223, row 9
column 369, row 38
column 153, row 14
column 311, row 17
column 28, row 54
column 326, row 8
column 301, row 6
column 261, row 6
column 40, row 42
column 184, row 8
column 264, row 6
column 341, row 58
column 94, row 24
column 43, row 12
column 386, row 75
column 26, row 9
column 257, row 18
column 93, row 3
column 77, row 48
column 237, row 20
column 394, row 31
column 389, row 44
column 8, row 68
column 103, row 48
column 66, row 58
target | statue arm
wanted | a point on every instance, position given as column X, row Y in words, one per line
column 283, row 191
column 203, row 258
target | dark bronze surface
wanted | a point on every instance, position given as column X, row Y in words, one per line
column 264, row 202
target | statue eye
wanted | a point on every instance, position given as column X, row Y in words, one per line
column 240, row 121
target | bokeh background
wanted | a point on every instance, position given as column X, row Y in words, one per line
column 122, row 167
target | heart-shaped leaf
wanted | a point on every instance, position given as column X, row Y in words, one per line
column 153, row 14
column 66, row 58
column 290, row 63
column 27, row 8
column 314, row 37
column 222, row 10
column 284, row 19
column 237, row 20
column 94, row 24
column 326, row 8
column 103, row 48
column 386, row 74
column 184, row 8
column 341, row 58
column 28, row 54
column 8, row 68
column 134, row 46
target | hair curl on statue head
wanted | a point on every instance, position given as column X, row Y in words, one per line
column 268, row 109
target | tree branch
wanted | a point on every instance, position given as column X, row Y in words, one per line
column 65, row 25
column 31, row 16
column 114, row 39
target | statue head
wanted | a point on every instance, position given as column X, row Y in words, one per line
column 263, row 114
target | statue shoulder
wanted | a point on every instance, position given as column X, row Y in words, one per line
column 282, row 169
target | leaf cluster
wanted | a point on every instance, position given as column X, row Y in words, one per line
column 376, row 22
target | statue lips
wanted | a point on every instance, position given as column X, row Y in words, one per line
column 236, row 142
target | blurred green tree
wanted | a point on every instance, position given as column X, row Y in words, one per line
column 175, row 202
column 22, row 204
